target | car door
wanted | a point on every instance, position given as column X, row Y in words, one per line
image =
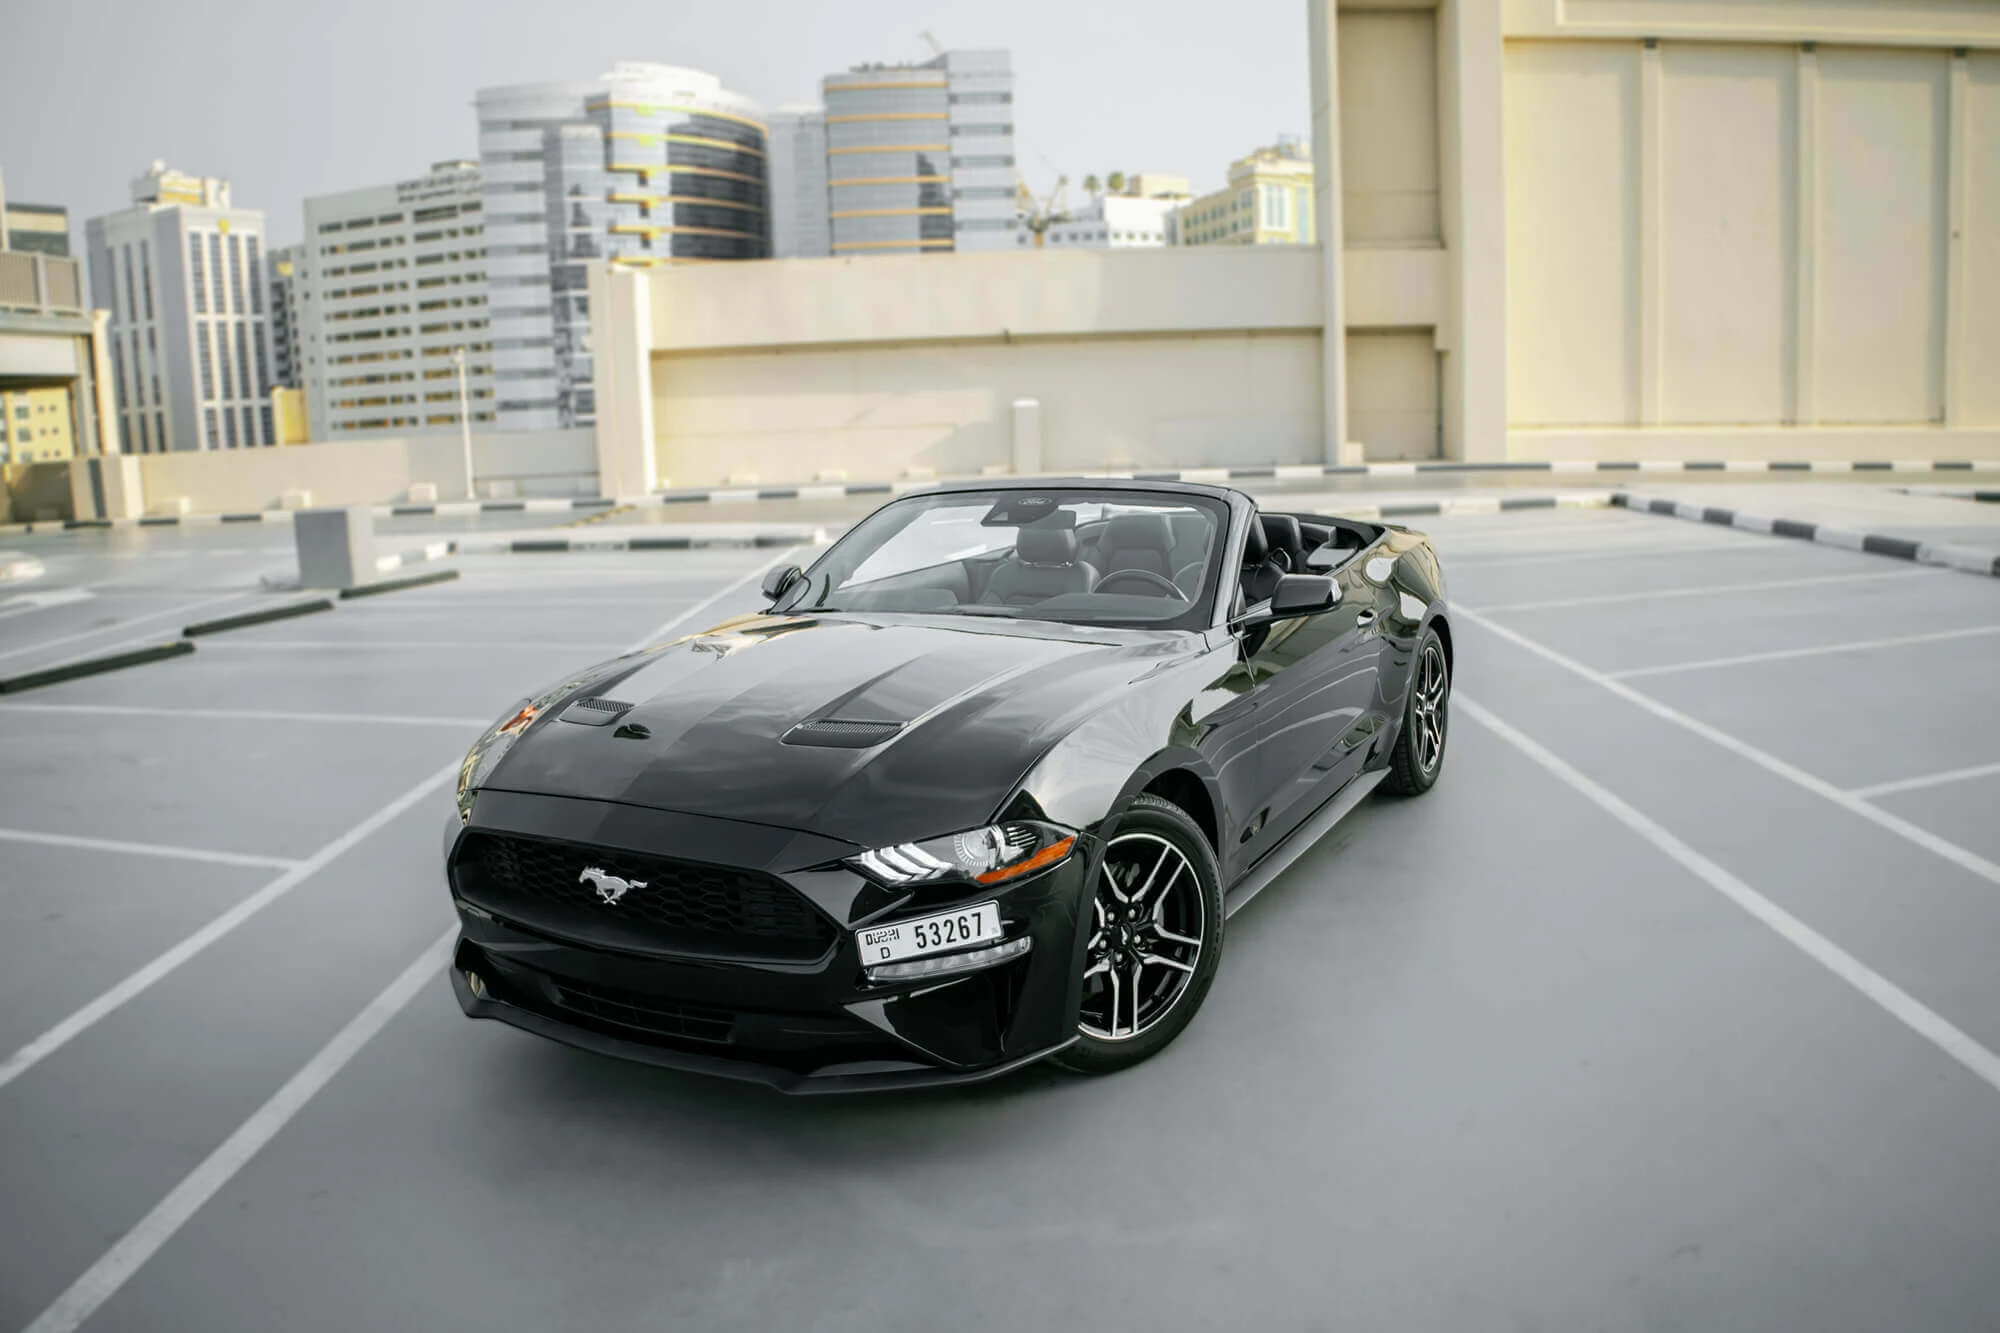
column 1315, row 688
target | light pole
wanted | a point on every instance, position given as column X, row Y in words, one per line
column 464, row 419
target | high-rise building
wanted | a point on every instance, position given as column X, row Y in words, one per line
column 800, row 228
column 920, row 158
column 392, row 285
column 182, row 273
column 648, row 164
column 285, row 281
column 1268, row 201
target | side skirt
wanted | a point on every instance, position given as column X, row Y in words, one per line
column 1295, row 845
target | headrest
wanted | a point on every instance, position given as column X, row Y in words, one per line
column 1139, row 532
column 1255, row 548
column 1282, row 529
column 1051, row 545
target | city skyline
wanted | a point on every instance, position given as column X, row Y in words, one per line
column 1097, row 90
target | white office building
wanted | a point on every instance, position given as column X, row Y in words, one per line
column 1114, row 222
column 182, row 273
column 393, row 285
column 800, row 228
column 647, row 164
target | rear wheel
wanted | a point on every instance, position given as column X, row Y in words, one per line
column 1155, row 939
column 1419, row 753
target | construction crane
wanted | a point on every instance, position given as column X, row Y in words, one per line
column 1037, row 214
column 931, row 42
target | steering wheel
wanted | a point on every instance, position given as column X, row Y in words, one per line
column 1157, row 584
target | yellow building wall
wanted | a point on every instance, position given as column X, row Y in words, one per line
column 45, row 433
column 1978, row 380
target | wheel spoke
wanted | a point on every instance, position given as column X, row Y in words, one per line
column 1112, row 973
column 1137, row 963
column 1139, row 898
column 1171, row 938
column 1100, row 966
column 1163, row 961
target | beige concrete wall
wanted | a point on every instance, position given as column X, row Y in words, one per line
column 1392, row 408
column 1978, row 377
column 884, row 410
column 1767, row 216
column 1572, row 161
column 1389, row 127
column 372, row 471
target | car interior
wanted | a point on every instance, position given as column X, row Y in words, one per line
column 1123, row 565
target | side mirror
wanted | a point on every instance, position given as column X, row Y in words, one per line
column 776, row 581
column 1303, row 594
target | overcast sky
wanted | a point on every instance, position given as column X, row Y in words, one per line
column 291, row 99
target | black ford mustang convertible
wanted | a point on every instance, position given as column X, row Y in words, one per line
column 979, row 788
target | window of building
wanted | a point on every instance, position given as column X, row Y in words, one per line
column 131, row 295
column 205, row 354
column 197, row 275
column 269, row 436
column 263, row 368
column 145, row 438
column 236, row 275
column 256, row 268
column 117, row 375
column 146, row 276
column 222, row 357
column 229, row 429
column 215, row 265
column 214, row 429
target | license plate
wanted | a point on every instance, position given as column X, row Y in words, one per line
column 977, row 924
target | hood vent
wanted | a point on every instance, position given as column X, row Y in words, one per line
column 836, row 734
column 595, row 712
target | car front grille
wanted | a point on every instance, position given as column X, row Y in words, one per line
column 671, row 905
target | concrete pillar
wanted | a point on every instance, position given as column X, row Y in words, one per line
column 1027, row 437
column 1472, row 184
column 1323, row 52
column 621, row 333
column 336, row 546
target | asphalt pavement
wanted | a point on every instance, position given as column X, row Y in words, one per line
column 1673, row 1006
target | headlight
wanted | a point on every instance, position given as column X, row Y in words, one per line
column 486, row 752
column 988, row 855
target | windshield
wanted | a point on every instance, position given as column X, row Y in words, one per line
column 1132, row 559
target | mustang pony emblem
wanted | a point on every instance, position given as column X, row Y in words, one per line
column 609, row 887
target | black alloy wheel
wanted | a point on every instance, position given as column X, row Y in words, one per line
column 1154, row 938
column 1419, row 753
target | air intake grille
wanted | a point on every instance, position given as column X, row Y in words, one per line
column 646, row 1013
column 840, row 734
column 670, row 906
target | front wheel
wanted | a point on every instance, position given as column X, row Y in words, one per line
column 1155, row 939
column 1419, row 753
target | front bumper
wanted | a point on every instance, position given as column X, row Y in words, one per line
column 798, row 1026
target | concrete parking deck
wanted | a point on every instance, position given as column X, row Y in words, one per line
column 1673, row 1006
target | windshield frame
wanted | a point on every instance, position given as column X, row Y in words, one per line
column 1199, row 615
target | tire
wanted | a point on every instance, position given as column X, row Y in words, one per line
column 1418, row 758
column 1164, row 948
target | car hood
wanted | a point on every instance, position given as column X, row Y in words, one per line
column 974, row 704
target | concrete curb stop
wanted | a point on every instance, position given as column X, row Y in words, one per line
column 1972, row 560
column 389, row 564
column 93, row 666
column 263, row 615
column 396, row 585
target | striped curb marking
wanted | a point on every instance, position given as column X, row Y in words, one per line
column 1310, row 471
column 595, row 542
column 1972, row 560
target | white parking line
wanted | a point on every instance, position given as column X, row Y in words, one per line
column 1898, row 1003
column 1595, row 553
column 122, row 624
column 1711, row 590
column 1823, row 650
column 1902, row 828
column 53, row 1040
column 249, row 715
column 1927, row 780
column 102, row 1280
column 147, row 849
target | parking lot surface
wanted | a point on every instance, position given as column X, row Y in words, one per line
column 1672, row 1007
